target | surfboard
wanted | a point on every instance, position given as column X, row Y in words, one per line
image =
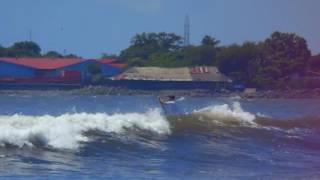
column 168, row 105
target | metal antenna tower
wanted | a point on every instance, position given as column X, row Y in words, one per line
column 187, row 31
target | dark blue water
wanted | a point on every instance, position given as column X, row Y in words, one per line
column 54, row 136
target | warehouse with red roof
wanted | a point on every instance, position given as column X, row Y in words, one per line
column 55, row 69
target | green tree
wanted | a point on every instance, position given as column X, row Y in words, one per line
column 200, row 55
column 53, row 54
column 284, row 53
column 95, row 72
column 24, row 49
column 239, row 62
column 72, row 56
column 168, row 59
column 94, row 69
column 144, row 45
column 111, row 56
column 210, row 41
column 205, row 54
column 136, row 61
column 3, row 51
column 161, row 41
column 169, row 41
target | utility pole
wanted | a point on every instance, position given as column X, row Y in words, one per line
column 187, row 31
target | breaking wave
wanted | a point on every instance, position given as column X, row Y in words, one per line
column 235, row 116
column 67, row 131
column 227, row 114
column 71, row 131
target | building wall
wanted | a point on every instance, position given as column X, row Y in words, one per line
column 156, row 85
column 107, row 70
column 15, row 70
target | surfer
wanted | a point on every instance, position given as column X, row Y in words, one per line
column 169, row 100
column 168, row 104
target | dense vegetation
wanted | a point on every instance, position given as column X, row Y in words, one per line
column 29, row 49
column 267, row 64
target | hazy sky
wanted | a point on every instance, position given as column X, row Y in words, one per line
column 91, row 27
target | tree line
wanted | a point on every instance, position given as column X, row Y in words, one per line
column 30, row 49
column 267, row 64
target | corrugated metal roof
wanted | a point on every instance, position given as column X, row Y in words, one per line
column 56, row 63
column 201, row 73
column 43, row 63
column 199, row 70
column 107, row 60
column 157, row 73
column 112, row 62
column 204, row 73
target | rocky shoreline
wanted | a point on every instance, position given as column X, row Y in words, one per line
column 270, row 94
column 285, row 94
column 102, row 90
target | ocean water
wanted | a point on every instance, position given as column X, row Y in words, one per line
column 55, row 136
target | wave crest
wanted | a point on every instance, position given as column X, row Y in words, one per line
column 67, row 131
column 227, row 114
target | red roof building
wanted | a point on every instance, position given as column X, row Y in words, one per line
column 56, row 63
column 43, row 63
column 112, row 62
column 52, row 67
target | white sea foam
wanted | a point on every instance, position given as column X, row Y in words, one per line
column 181, row 98
column 67, row 131
column 226, row 113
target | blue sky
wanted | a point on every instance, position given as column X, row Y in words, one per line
column 92, row 27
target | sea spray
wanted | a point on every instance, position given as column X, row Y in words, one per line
column 225, row 114
column 67, row 131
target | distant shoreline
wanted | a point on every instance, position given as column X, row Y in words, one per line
column 99, row 90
